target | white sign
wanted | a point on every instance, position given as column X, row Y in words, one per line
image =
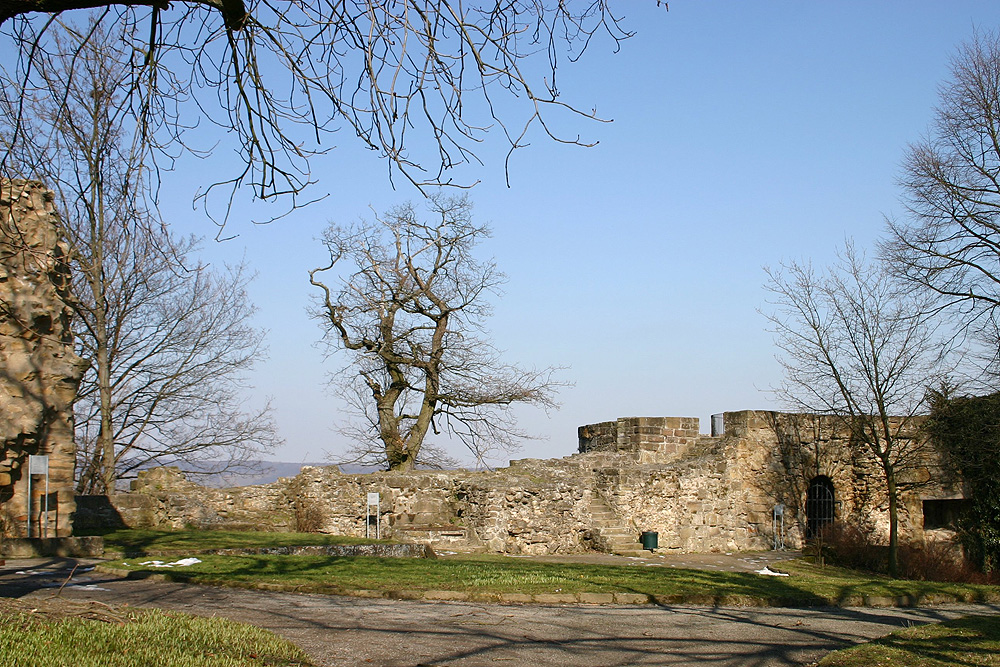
column 38, row 464
column 373, row 499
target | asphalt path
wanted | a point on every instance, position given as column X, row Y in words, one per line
column 354, row 631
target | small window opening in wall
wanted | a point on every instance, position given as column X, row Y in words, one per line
column 943, row 513
column 821, row 505
column 42, row 325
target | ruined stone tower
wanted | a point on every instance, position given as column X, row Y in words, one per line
column 39, row 371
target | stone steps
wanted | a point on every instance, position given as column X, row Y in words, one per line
column 612, row 535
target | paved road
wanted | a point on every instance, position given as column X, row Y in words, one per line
column 350, row 631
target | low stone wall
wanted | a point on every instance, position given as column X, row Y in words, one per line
column 513, row 510
column 59, row 547
column 700, row 493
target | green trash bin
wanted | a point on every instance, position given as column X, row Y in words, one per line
column 650, row 540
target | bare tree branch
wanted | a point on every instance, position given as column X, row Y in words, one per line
column 168, row 338
column 281, row 76
column 855, row 346
column 949, row 243
column 409, row 309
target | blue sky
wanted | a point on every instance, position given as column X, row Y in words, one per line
column 744, row 133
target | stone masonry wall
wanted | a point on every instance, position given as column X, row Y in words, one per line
column 691, row 502
column 647, row 439
column 39, row 372
column 778, row 454
column 700, row 493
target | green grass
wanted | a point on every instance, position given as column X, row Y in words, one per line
column 971, row 642
column 198, row 541
column 841, row 585
column 488, row 578
column 138, row 639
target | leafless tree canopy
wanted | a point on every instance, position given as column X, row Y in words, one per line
column 168, row 339
column 408, row 309
column 179, row 346
column 949, row 244
column 855, row 346
column 283, row 75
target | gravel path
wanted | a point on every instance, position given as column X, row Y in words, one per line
column 353, row 631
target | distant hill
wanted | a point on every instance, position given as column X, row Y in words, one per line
column 263, row 472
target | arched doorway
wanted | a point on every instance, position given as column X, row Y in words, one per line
column 820, row 505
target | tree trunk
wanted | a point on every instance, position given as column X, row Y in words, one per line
column 105, row 436
column 400, row 460
column 890, row 478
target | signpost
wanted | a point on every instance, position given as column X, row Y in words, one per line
column 38, row 464
column 373, row 501
column 778, row 526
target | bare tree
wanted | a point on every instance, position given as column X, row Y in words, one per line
column 284, row 75
column 949, row 244
column 855, row 346
column 167, row 338
column 179, row 342
column 409, row 310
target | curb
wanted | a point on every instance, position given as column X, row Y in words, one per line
column 395, row 550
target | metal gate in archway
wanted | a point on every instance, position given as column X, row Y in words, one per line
column 821, row 506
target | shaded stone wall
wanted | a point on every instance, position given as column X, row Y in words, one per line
column 718, row 493
column 39, row 372
column 700, row 493
column 779, row 454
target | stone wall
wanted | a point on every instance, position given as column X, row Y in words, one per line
column 521, row 509
column 700, row 493
column 39, row 372
column 779, row 454
column 646, row 439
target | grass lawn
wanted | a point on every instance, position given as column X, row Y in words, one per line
column 489, row 577
column 196, row 541
column 971, row 642
column 58, row 633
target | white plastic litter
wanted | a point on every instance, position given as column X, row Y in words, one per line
column 771, row 573
column 183, row 562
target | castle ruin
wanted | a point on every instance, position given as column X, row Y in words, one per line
column 767, row 480
column 39, row 371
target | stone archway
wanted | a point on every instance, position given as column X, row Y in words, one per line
column 821, row 505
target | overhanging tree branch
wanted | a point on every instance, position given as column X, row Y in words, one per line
column 417, row 82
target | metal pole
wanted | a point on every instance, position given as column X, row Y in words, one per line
column 46, row 533
column 29, row 500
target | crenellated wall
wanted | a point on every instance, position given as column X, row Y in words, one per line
column 646, row 439
column 700, row 493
